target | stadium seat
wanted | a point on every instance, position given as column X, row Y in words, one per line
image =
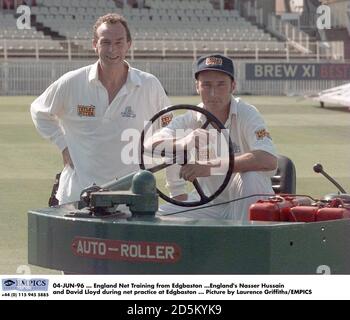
column 162, row 20
column 284, row 181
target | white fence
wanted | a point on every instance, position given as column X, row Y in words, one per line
column 296, row 46
column 32, row 78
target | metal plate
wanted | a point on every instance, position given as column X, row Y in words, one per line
column 163, row 245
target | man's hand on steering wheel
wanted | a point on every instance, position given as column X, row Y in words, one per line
column 197, row 141
column 190, row 172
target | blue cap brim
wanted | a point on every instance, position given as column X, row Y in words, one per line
column 214, row 69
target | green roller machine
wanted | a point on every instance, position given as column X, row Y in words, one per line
column 116, row 229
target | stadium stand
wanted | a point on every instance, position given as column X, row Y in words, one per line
column 161, row 29
column 167, row 36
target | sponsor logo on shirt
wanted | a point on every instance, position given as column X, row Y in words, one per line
column 85, row 111
column 261, row 134
column 128, row 113
column 166, row 119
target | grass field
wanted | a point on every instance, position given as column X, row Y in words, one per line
column 300, row 129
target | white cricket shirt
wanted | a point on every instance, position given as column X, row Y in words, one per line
column 247, row 131
column 74, row 112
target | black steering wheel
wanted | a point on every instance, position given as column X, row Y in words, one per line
column 210, row 119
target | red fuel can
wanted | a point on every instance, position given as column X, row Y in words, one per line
column 265, row 210
column 332, row 214
column 276, row 208
column 303, row 214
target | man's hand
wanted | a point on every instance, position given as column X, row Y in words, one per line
column 66, row 158
column 192, row 171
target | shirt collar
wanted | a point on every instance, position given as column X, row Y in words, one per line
column 133, row 76
column 132, row 79
column 93, row 74
column 233, row 105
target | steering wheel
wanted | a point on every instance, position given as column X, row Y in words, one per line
column 210, row 119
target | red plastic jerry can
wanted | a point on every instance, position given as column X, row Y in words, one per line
column 276, row 208
column 332, row 214
column 266, row 210
column 303, row 214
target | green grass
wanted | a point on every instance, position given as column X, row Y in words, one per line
column 300, row 130
column 28, row 165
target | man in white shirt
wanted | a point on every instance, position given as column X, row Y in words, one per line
column 91, row 113
column 255, row 155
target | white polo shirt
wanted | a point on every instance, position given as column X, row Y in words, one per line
column 248, row 132
column 74, row 112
